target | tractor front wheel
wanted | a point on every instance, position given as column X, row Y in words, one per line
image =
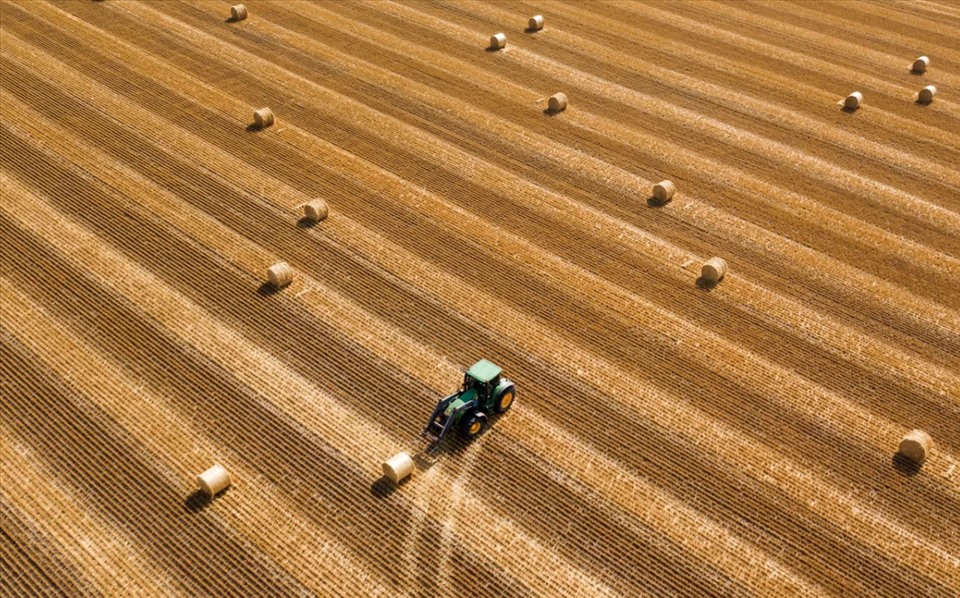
column 472, row 424
column 505, row 399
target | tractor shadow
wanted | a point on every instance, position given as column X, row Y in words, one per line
column 705, row 285
column 905, row 466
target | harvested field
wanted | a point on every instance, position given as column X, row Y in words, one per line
column 670, row 437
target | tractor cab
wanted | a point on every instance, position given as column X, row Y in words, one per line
column 482, row 376
column 483, row 393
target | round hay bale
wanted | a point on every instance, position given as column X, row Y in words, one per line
column 663, row 191
column 927, row 93
column 316, row 210
column 714, row 269
column 920, row 64
column 214, row 480
column 263, row 118
column 238, row 12
column 916, row 445
column 557, row 102
column 852, row 102
column 498, row 41
column 398, row 467
column 535, row 23
column 280, row 274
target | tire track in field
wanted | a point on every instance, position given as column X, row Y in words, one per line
column 592, row 413
column 275, row 446
column 705, row 375
column 68, row 239
column 266, row 376
column 457, row 557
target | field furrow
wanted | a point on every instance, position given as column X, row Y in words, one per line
column 670, row 437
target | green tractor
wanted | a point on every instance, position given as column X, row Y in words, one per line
column 484, row 392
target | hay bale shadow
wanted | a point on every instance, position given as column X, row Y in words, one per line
column 253, row 128
column 653, row 202
column 266, row 289
column 305, row 222
column 198, row 501
column 905, row 465
column 922, row 102
column 383, row 488
column 849, row 110
column 705, row 285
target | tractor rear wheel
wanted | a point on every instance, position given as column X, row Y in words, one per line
column 472, row 424
column 505, row 399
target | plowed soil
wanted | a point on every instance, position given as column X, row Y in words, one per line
column 669, row 438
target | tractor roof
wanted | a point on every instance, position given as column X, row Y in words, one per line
column 484, row 371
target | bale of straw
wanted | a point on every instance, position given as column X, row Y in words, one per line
column 238, row 12
column 557, row 102
column 280, row 274
column 920, row 64
column 398, row 467
column 498, row 41
column 316, row 210
column 852, row 102
column 916, row 445
column 214, row 480
column 663, row 191
column 714, row 269
column 535, row 23
column 926, row 94
column 263, row 118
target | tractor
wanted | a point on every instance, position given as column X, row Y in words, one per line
column 484, row 392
